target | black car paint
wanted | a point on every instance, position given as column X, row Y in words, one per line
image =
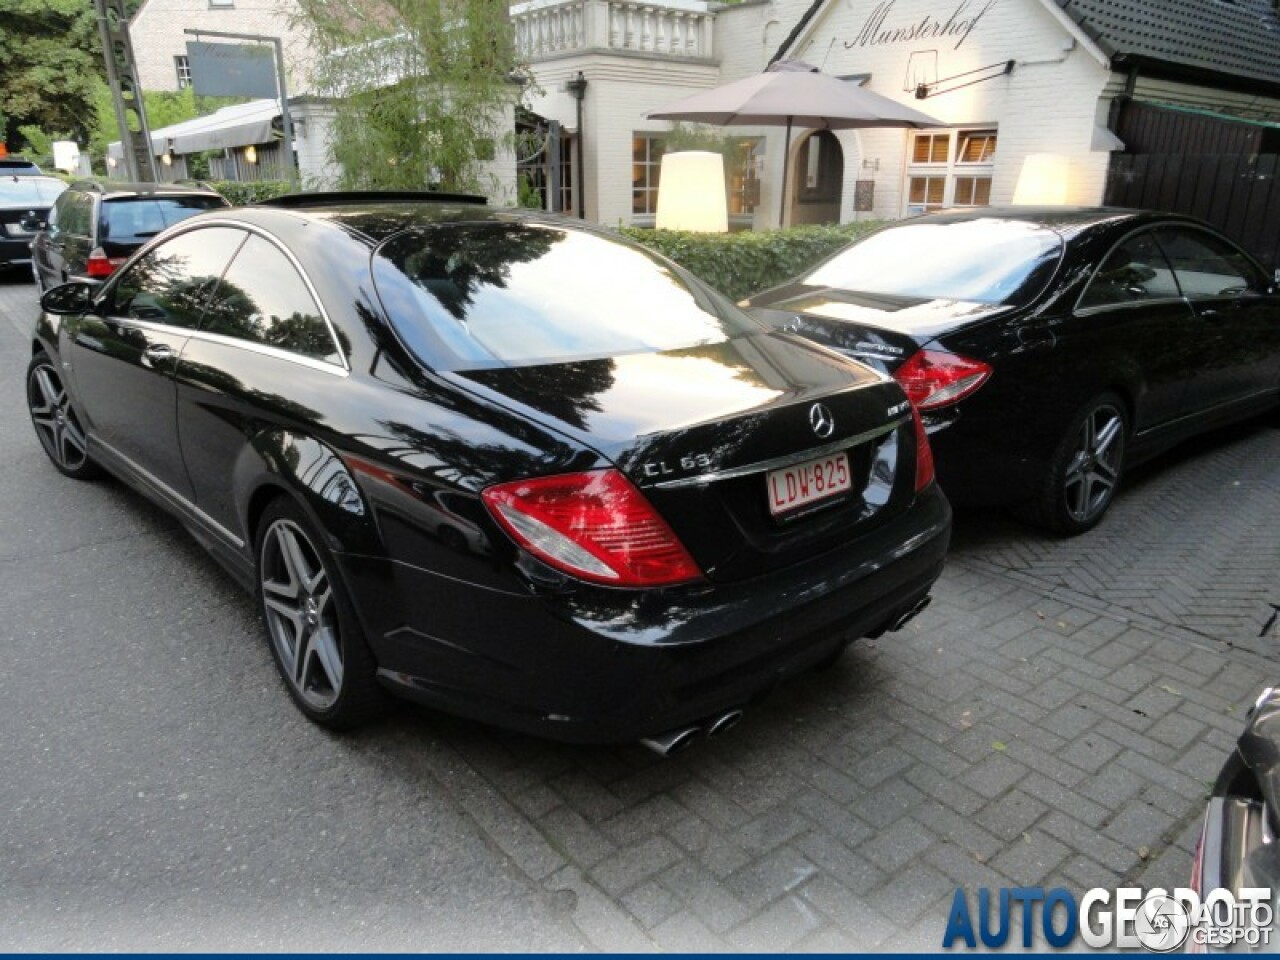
column 467, row 621
column 1173, row 366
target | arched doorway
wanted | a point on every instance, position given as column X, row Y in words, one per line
column 818, row 179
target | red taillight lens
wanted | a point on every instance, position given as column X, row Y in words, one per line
column 100, row 266
column 934, row 378
column 924, row 453
column 595, row 525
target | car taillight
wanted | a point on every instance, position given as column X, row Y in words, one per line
column 924, row 453
column 935, row 378
column 596, row 526
column 100, row 265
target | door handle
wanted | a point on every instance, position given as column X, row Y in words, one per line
column 157, row 353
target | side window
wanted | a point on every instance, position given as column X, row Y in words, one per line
column 1207, row 266
column 56, row 211
column 73, row 216
column 263, row 299
column 1134, row 271
column 171, row 283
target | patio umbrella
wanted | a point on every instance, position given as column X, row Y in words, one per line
column 792, row 92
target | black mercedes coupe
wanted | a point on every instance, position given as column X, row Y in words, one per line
column 1048, row 349
column 499, row 462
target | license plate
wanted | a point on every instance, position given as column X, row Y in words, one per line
column 791, row 488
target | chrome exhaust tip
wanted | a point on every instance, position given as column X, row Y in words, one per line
column 911, row 614
column 726, row 721
column 669, row 744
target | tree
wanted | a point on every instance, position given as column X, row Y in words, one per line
column 50, row 59
column 421, row 86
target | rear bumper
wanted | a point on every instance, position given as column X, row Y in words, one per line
column 15, row 253
column 608, row 666
column 978, row 465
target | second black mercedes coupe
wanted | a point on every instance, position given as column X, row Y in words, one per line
column 1049, row 349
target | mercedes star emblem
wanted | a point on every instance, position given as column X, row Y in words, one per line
column 823, row 423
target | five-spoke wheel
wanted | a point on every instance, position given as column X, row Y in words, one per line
column 1085, row 470
column 314, row 637
column 1091, row 476
column 55, row 420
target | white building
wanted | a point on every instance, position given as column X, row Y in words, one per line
column 1009, row 78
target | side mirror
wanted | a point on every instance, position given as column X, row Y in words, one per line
column 33, row 224
column 69, row 299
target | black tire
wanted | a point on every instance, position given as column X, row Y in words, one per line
column 308, row 617
column 1085, row 471
column 55, row 421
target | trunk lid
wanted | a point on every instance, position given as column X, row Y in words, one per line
column 879, row 330
column 700, row 429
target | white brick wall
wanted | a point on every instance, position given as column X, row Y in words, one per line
column 157, row 35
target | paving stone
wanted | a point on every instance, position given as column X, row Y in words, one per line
column 994, row 775
column 895, row 846
column 1012, row 814
column 1030, row 859
column 777, row 928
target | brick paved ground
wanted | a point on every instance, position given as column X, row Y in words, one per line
column 1055, row 717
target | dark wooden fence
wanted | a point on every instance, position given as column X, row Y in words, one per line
column 1239, row 194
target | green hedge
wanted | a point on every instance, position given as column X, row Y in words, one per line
column 740, row 264
column 240, row 193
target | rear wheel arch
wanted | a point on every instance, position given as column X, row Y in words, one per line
column 295, row 465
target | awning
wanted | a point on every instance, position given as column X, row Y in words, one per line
column 235, row 126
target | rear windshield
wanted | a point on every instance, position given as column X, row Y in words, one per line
column 37, row 191
column 482, row 295
column 982, row 261
column 133, row 220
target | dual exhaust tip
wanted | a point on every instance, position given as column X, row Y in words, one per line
column 678, row 741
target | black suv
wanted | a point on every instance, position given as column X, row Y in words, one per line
column 94, row 227
column 24, row 203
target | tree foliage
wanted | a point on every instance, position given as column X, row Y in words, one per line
column 422, row 88
column 50, row 60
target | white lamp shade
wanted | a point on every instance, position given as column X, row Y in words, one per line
column 691, row 192
column 1044, row 180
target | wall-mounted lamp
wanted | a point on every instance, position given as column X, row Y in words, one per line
column 872, row 165
column 166, row 158
column 1044, row 180
column 251, row 154
column 111, row 162
column 691, row 192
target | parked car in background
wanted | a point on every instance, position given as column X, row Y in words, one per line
column 1049, row 349
column 500, row 462
column 94, row 227
column 18, row 165
column 24, row 202
column 1237, row 847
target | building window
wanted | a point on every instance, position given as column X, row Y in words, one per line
column 646, row 167
column 183, row 66
column 746, row 160
column 950, row 170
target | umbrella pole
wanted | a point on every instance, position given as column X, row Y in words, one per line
column 786, row 162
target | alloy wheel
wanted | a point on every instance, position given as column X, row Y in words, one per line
column 54, row 419
column 301, row 614
column 1094, row 469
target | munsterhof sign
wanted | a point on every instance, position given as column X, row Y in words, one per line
column 877, row 31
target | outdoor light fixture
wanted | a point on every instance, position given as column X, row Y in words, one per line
column 1043, row 181
column 251, row 154
column 166, row 158
column 691, row 192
